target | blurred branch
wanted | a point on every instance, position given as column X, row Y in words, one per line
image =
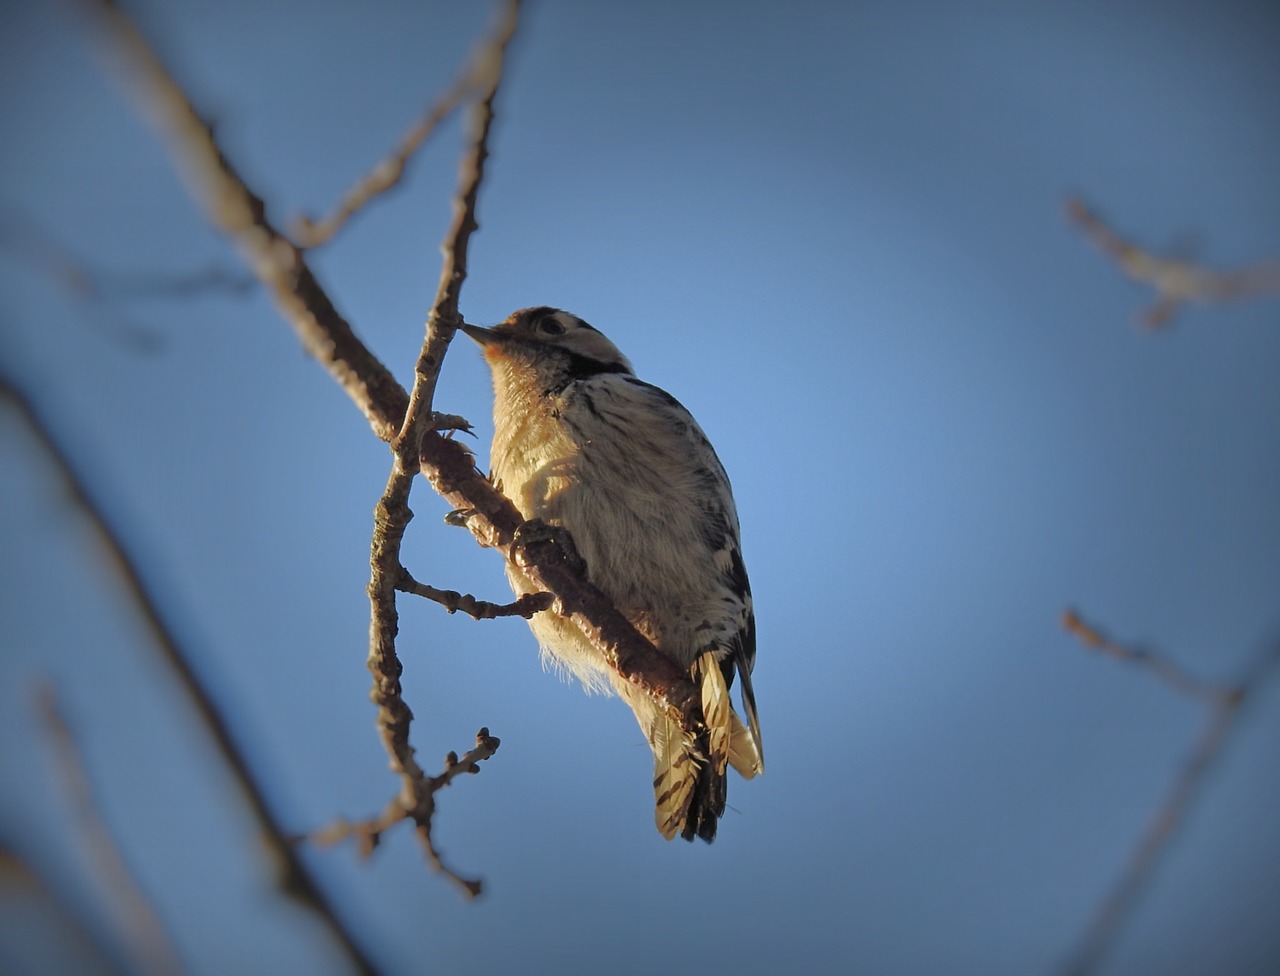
column 150, row 947
column 453, row 601
column 241, row 215
column 98, row 288
column 292, row 875
column 1164, row 669
column 1175, row 281
column 21, row 238
column 33, row 889
column 388, row 173
column 1224, row 704
column 368, row 833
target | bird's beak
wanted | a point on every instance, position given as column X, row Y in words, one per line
column 496, row 345
column 480, row 334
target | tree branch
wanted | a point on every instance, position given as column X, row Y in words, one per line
column 404, row 419
column 293, row 876
column 1224, row 703
column 23, row 239
column 453, row 601
column 368, row 833
column 1164, row 669
column 150, row 947
column 1175, row 282
column 19, row 879
column 388, row 173
column 392, row 513
column 495, row 522
column 241, row 215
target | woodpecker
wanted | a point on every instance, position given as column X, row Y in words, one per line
column 581, row 443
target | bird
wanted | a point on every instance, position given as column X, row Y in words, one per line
column 619, row 464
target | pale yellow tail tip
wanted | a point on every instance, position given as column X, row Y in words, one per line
column 744, row 754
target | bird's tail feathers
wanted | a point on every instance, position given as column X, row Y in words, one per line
column 744, row 751
column 755, row 747
column 677, row 770
column 689, row 774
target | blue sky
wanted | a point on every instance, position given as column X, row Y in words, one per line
column 835, row 233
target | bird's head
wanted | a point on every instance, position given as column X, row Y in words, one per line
column 553, row 346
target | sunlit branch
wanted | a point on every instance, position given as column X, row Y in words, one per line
column 392, row 514
column 548, row 561
column 368, row 833
column 405, row 419
column 453, row 601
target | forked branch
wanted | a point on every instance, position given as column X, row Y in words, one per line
column 368, row 833
column 388, row 173
column 1175, row 281
column 242, row 216
column 402, row 418
column 1224, row 702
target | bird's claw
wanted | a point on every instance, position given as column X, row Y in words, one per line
column 450, row 422
column 536, row 531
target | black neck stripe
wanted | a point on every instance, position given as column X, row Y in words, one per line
column 583, row 367
column 580, row 366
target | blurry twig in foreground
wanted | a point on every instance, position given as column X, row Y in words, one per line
column 1175, row 281
column 99, row 289
column 293, row 876
column 388, row 173
column 40, row 899
column 150, row 949
column 231, row 207
column 1224, row 703
column 20, row 237
column 368, row 833
column 1164, row 669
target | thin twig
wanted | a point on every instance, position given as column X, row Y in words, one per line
column 1175, row 281
column 388, row 173
column 101, row 290
column 1167, row 671
column 392, row 514
column 453, row 601
column 293, row 876
column 1224, row 703
column 368, row 833
column 150, row 947
column 22, row 238
column 19, row 879
column 443, row 320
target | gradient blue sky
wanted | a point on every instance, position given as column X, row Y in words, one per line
column 834, row 232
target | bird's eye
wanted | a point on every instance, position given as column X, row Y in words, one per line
column 550, row 326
